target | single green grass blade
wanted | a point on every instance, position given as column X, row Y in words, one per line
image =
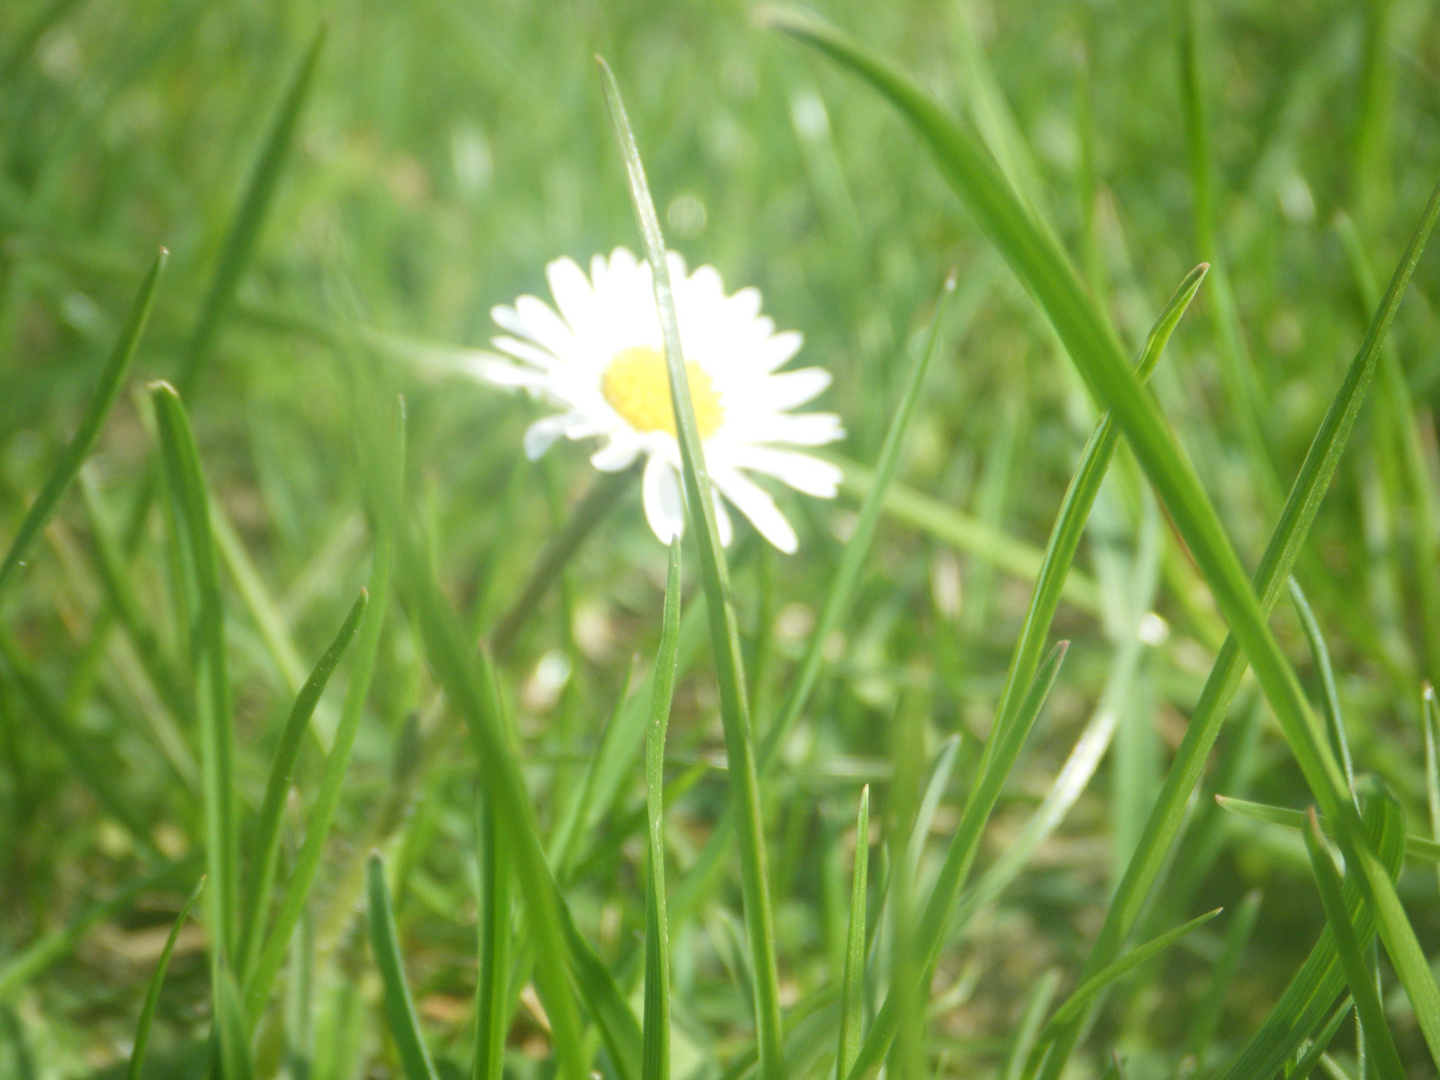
column 236, row 1060
column 1135, row 957
column 19, row 969
column 492, row 991
column 69, row 462
column 1416, row 847
column 1430, row 719
column 384, row 470
column 724, row 633
column 399, row 1006
column 655, row 1064
column 1206, row 1016
column 152, row 992
column 1308, row 998
column 245, row 229
column 852, row 987
column 1329, row 694
column 1368, row 1009
column 935, row 918
column 188, row 493
column 266, row 841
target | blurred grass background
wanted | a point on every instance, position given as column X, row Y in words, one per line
column 447, row 152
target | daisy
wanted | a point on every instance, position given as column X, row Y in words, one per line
column 601, row 360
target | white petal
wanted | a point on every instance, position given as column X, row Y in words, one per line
column 722, row 518
column 660, row 492
column 544, row 327
column 507, row 318
column 791, row 388
column 617, row 454
column 778, row 349
column 526, row 351
column 806, row 429
column 541, row 435
column 801, row 471
column 756, row 505
column 574, row 297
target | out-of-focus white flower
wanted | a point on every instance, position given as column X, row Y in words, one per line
column 600, row 358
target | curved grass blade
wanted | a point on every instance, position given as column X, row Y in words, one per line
column 852, row 986
column 186, row 485
column 1416, row 847
column 1329, row 695
column 1090, row 343
column 1307, row 1061
column 399, row 1006
column 108, row 389
column 1028, row 1028
column 655, row 1062
column 1319, row 981
column 1368, row 1009
column 266, row 842
column 152, row 992
column 724, row 633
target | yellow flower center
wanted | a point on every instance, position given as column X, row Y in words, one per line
column 637, row 386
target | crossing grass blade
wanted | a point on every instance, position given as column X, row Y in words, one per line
column 187, row 492
column 1416, row 847
column 1091, row 345
column 1378, row 1040
column 399, row 1006
column 1305, row 1064
column 655, row 1064
column 152, row 992
column 1329, row 694
column 724, row 633
column 1307, row 999
column 852, row 987
column 266, row 840
column 68, row 463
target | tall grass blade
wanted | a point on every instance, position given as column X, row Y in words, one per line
column 724, row 633
column 152, row 992
column 245, row 229
column 112, row 377
column 1329, row 693
column 266, row 841
column 655, row 1064
column 236, row 1060
column 852, row 986
column 492, row 991
column 188, row 494
column 1368, row 1009
column 1430, row 719
column 399, row 1006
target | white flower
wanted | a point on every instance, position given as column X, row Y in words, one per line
column 601, row 360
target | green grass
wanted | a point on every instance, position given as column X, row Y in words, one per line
column 535, row 806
